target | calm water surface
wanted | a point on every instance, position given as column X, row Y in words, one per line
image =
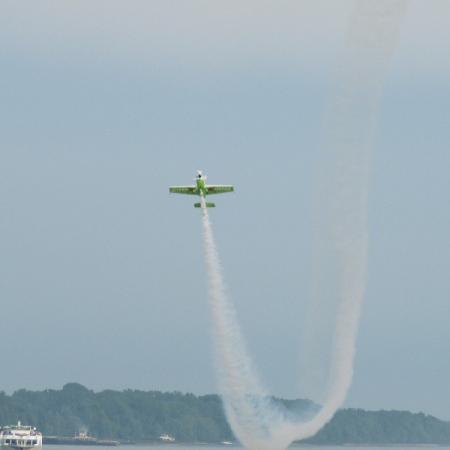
column 216, row 447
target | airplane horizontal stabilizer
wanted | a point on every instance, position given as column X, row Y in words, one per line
column 208, row 205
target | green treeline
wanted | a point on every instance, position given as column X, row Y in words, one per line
column 357, row 426
column 133, row 416
column 126, row 416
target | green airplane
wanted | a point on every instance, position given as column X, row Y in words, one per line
column 202, row 189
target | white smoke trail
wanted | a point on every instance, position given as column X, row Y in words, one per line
column 341, row 206
column 252, row 414
column 255, row 419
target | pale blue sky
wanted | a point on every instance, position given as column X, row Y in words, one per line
column 104, row 105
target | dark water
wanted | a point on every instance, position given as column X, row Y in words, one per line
column 216, row 447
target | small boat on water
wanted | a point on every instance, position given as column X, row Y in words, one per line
column 82, row 438
column 166, row 438
column 20, row 437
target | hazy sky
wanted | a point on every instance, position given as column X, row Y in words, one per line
column 104, row 104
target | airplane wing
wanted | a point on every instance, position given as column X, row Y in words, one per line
column 190, row 190
column 218, row 189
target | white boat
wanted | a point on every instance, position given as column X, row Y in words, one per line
column 20, row 437
column 166, row 438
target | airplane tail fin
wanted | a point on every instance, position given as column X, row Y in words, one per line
column 208, row 205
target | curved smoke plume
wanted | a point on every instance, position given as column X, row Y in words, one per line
column 256, row 420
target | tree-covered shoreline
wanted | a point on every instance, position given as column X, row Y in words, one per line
column 142, row 416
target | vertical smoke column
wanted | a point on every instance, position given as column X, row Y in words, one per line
column 255, row 420
column 341, row 203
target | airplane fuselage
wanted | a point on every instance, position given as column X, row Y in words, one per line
column 201, row 187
